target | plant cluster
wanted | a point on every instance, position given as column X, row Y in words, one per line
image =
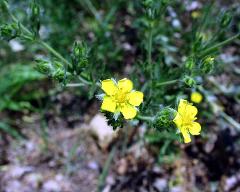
column 161, row 77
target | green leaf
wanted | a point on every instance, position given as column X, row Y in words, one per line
column 11, row 131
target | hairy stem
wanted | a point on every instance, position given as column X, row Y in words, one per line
column 218, row 45
column 48, row 47
column 145, row 118
column 149, row 51
column 167, row 82
column 75, row 85
column 93, row 10
column 106, row 167
column 230, row 120
column 54, row 52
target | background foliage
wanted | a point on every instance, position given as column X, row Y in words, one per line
column 169, row 49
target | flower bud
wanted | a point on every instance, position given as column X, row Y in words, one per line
column 196, row 97
column 79, row 57
column 58, row 74
column 35, row 18
column 226, row 19
column 189, row 64
column 9, row 31
column 189, row 81
column 164, row 119
column 207, row 64
column 44, row 67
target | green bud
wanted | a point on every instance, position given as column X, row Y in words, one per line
column 55, row 70
column 165, row 2
column 226, row 19
column 9, row 31
column 79, row 57
column 147, row 3
column 164, row 119
column 35, row 18
column 58, row 65
column 44, row 67
column 207, row 64
column 58, row 74
column 189, row 81
column 189, row 64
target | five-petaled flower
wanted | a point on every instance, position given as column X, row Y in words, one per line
column 119, row 97
column 185, row 118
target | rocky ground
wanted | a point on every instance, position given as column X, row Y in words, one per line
column 71, row 158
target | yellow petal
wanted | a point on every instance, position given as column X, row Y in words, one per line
column 135, row 98
column 182, row 106
column 191, row 112
column 195, row 128
column 186, row 110
column 196, row 97
column 178, row 120
column 125, row 85
column 128, row 111
column 186, row 136
column 109, row 87
column 108, row 104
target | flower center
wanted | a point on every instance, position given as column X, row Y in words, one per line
column 186, row 121
column 120, row 97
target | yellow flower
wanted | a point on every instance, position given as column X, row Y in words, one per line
column 185, row 118
column 196, row 97
column 195, row 14
column 119, row 97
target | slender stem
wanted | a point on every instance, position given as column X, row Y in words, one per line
column 93, row 10
column 85, row 81
column 54, row 52
column 67, row 63
column 49, row 48
column 220, row 44
column 149, row 52
column 21, row 25
column 167, row 82
column 75, row 85
column 230, row 120
column 145, row 118
column 106, row 167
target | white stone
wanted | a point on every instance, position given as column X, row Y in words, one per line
column 102, row 130
column 16, row 46
column 51, row 186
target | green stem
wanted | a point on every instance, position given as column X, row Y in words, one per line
column 21, row 25
column 93, row 10
column 49, row 48
column 106, row 167
column 220, row 44
column 149, row 52
column 167, row 82
column 54, row 52
column 85, row 81
column 230, row 120
column 60, row 57
column 145, row 118
column 75, row 85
